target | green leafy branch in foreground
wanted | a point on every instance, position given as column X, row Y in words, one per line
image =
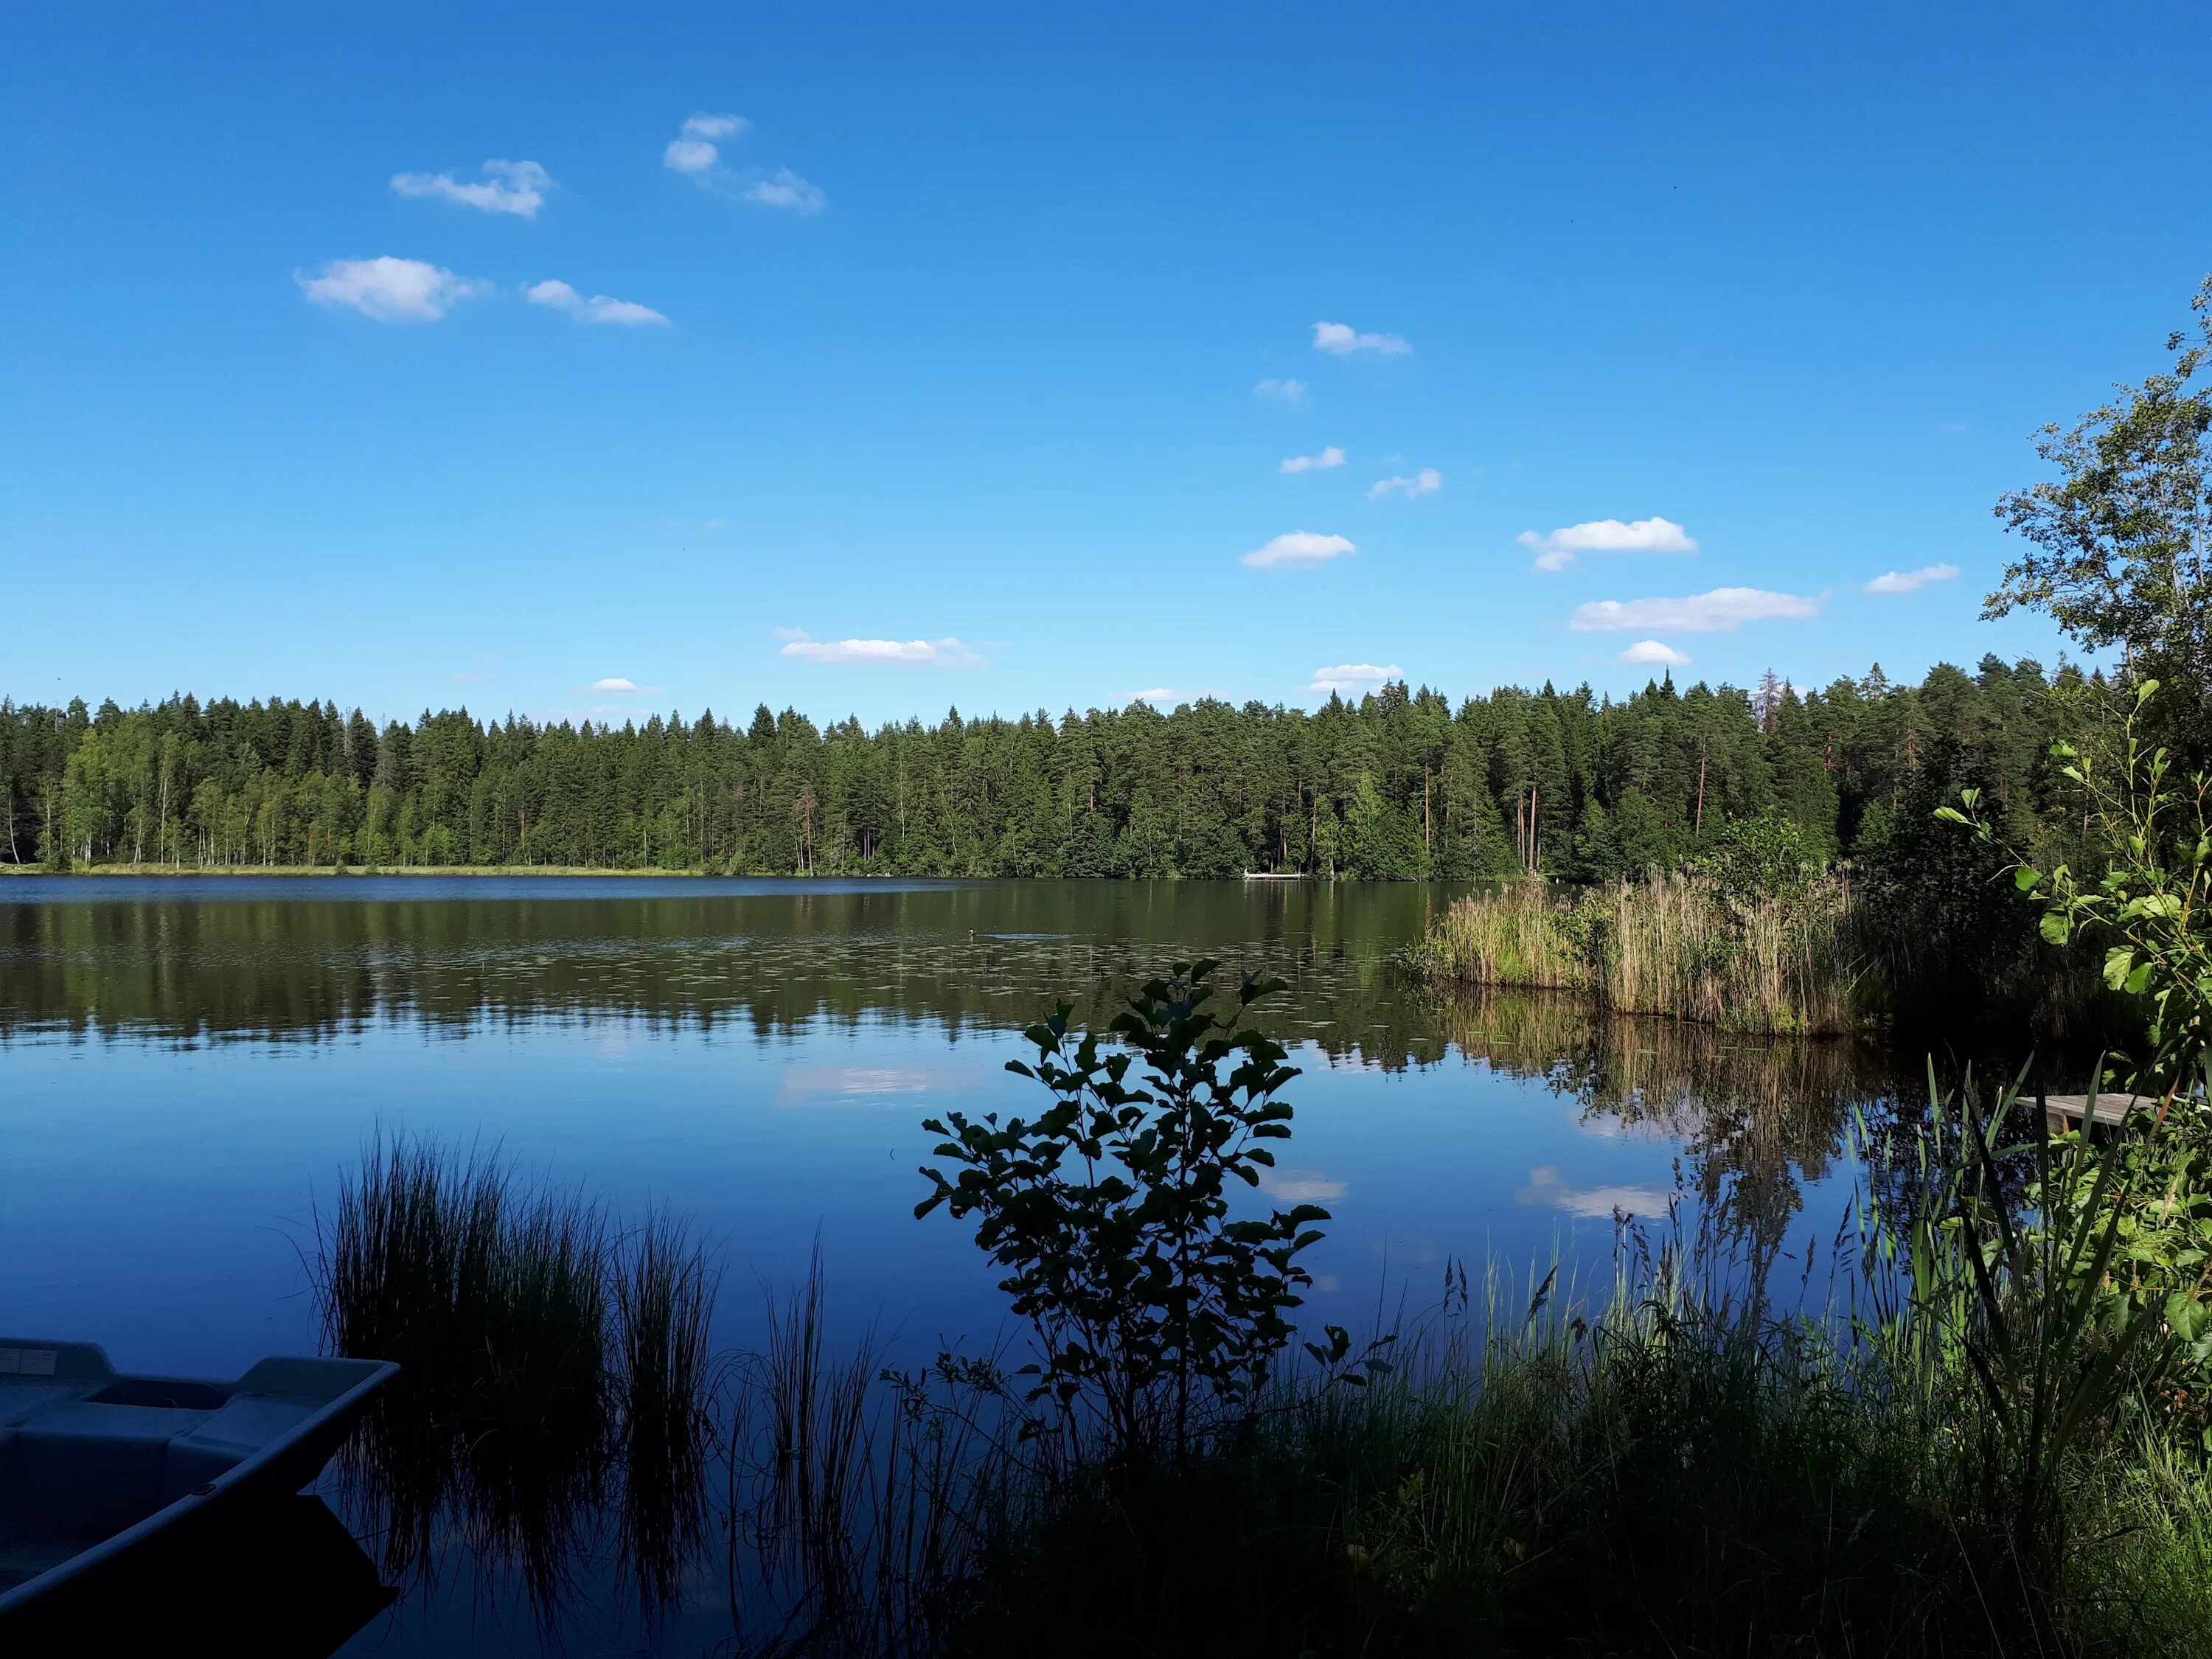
column 2152, row 905
column 1159, row 1317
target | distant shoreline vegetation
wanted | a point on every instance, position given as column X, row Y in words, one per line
column 252, row 870
column 1401, row 785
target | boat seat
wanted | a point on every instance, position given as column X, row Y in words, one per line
column 22, row 1400
column 89, row 1469
column 226, row 1437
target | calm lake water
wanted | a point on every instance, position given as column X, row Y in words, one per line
column 186, row 1067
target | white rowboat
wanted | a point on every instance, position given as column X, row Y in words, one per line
column 112, row 1486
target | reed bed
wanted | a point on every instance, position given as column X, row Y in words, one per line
column 555, row 1379
column 1677, row 945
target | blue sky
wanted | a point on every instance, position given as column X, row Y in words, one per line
column 961, row 366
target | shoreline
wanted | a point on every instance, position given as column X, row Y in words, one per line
column 274, row 870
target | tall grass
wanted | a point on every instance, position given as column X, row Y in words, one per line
column 853, row 1505
column 1663, row 1465
column 1677, row 945
column 663, row 1298
column 553, row 1369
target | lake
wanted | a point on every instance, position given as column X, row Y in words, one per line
column 187, row 1066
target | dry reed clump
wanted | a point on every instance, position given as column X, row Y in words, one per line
column 1678, row 946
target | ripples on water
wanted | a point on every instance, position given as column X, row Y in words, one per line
column 186, row 1065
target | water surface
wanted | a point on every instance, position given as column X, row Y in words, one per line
column 187, row 1065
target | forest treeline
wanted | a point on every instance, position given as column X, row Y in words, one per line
column 1401, row 785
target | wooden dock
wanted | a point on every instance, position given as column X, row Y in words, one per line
column 2064, row 1112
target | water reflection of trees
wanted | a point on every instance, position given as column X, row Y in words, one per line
column 1756, row 1119
column 184, row 969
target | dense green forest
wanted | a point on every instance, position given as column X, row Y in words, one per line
column 1398, row 786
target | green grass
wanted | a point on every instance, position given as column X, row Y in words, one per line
column 1664, row 1467
column 1664, row 1480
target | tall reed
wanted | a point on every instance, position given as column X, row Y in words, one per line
column 853, row 1504
column 663, row 1300
column 1677, row 945
column 554, row 1370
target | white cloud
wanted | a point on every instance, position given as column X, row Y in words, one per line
column 612, row 683
column 911, row 653
column 391, row 290
column 1911, row 581
column 1547, row 1187
column 786, row 189
column 1283, row 392
column 1351, row 678
column 1328, row 458
column 1655, row 655
column 858, row 1079
column 1341, row 340
column 1299, row 547
column 516, row 187
column 1557, row 550
column 1426, row 481
column 597, row 309
column 1720, row 612
column 694, row 153
column 1301, row 1186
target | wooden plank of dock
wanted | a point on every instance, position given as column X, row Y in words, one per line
column 2064, row 1112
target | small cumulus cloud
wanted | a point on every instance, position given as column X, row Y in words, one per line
column 620, row 683
column 1283, row 392
column 1351, row 678
column 1328, row 458
column 1911, row 581
column 716, row 126
column 695, row 152
column 902, row 653
column 390, row 290
column 1342, row 340
column 1547, row 1186
column 786, row 189
column 1721, row 611
column 693, row 155
column 1426, row 481
column 597, row 309
column 1557, row 549
column 515, row 187
column 861, row 1079
column 1298, row 547
column 1301, row 1186
column 1655, row 654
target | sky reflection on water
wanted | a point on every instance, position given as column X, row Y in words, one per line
column 189, row 1064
